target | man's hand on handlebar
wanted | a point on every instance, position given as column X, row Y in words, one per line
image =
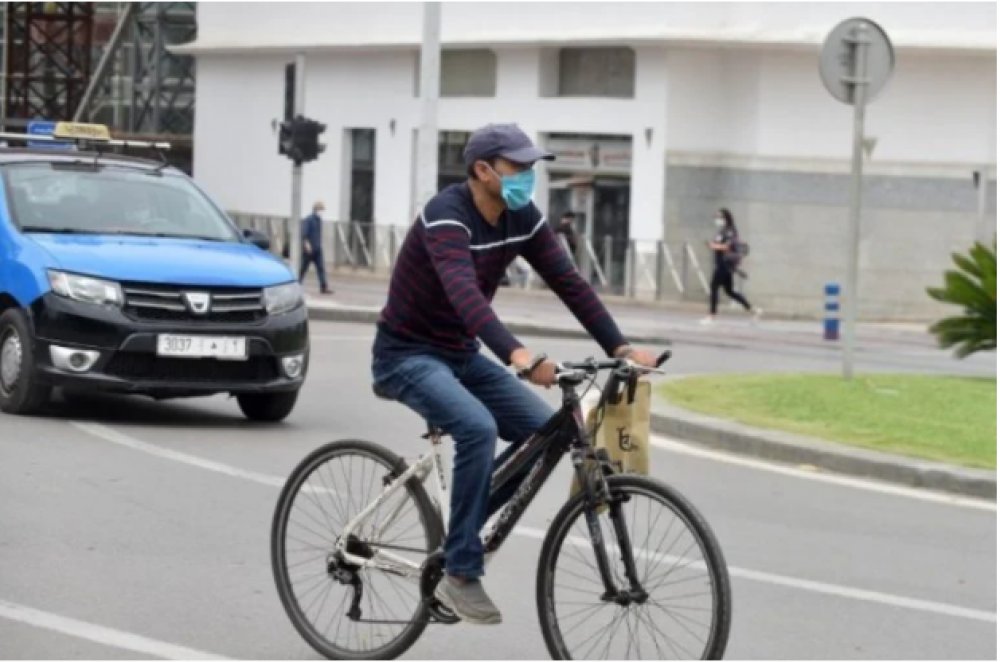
column 637, row 356
column 539, row 371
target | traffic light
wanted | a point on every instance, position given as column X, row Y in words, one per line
column 298, row 139
column 287, row 145
column 311, row 147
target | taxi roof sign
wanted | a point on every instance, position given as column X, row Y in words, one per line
column 80, row 131
column 51, row 135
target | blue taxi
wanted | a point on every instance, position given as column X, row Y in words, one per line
column 120, row 274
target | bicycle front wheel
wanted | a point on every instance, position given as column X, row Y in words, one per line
column 685, row 605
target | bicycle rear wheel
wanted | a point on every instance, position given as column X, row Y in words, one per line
column 680, row 567
column 347, row 612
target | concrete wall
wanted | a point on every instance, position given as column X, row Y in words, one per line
column 251, row 23
column 935, row 110
column 797, row 223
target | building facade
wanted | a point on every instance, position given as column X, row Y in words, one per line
column 660, row 113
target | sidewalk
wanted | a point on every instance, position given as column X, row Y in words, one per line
column 359, row 299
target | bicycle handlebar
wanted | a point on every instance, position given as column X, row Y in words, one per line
column 591, row 366
column 575, row 371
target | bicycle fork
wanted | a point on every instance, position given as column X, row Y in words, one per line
column 597, row 495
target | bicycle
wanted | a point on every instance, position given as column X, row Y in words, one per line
column 365, row 537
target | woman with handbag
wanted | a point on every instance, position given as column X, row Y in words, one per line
column 728, row 252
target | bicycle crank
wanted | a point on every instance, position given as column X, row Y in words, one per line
column 430, row 576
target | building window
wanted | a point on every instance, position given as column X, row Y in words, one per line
column 362, row 175
column 465, row 73
column 451, row 166
column 597, row 72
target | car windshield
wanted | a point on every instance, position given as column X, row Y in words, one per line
column 105, row 199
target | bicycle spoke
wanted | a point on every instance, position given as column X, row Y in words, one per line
column 311, row 559
column 638, row 637
column 582, row 621
column 577, row 575
column 333, row 496
column 324, row 538
column 649, row 628
column 340, row 621
column 315, row 500
column 597, row 641
column 688, row 655
column 326, row 596
column 307, row 545
column 616, row 623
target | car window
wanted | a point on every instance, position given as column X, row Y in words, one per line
column 111, row 200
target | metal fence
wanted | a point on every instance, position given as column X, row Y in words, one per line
column 652, row 270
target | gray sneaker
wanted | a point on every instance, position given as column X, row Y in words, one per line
column 469, row 601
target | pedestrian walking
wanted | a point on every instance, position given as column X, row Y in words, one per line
column 567, row 228
column 312, row 246
column 728, row 251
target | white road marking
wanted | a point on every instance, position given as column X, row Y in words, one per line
column 100, row 634
column 113, row 436
column 801, row 584
column 680, row 448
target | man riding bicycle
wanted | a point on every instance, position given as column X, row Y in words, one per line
column 426, row 353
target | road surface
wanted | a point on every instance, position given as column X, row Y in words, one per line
column 131, row 529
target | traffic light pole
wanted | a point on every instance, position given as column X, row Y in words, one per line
column 430, row 87
column 295, row 222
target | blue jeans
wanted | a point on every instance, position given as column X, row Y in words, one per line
column 474, row 400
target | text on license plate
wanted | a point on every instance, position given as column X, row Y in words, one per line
column 201, row 347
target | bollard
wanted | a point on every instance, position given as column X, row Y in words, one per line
column 831, row 318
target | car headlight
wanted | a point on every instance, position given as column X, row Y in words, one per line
column 86, row 288
column 282, row 298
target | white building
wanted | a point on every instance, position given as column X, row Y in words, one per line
column 674, row 109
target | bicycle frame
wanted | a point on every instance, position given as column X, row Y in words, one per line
column 564, row 432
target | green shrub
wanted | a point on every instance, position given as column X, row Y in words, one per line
column 973, row 287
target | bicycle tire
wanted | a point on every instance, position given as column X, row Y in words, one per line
column 428, row 514
column 685, row 511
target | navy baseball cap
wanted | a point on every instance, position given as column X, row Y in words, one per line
column 506, row 141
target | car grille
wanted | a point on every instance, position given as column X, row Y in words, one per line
column 159, row 303
column 135, row 366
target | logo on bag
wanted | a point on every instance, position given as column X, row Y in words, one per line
column 625, row 440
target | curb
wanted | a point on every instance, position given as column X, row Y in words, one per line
column 368, row 315
column 362, row 315
column 794, row 449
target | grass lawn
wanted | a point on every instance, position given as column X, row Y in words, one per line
column 951, row 419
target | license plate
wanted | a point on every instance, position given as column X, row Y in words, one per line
column 202, row 347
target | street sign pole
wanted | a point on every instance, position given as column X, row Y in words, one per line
column 859, row 83
column 856, row 62
column 295, row 222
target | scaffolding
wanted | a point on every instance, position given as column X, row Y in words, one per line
column 105, row 62
column 47, row 57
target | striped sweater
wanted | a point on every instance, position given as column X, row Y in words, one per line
column 448, row 271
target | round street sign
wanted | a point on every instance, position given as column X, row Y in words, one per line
column 836, row 60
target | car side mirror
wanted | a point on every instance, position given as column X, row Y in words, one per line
column 258, row 239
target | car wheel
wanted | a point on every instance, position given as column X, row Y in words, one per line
column 20, row 392
column 267, row 407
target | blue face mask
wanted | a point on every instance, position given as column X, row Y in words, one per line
column 518, row 189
